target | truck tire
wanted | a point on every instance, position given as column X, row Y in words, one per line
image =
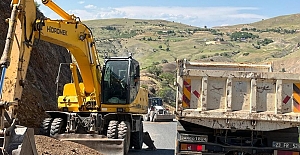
column 124, row 133
column 137, row 138
column 56, row 127
column 153, row 119
column 46, row 126
column 152, row 114
column 112, row 130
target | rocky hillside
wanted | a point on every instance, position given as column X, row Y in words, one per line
column 40, row 90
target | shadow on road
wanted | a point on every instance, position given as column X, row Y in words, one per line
column 148, row 152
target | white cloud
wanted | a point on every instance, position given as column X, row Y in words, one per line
column 81, row 2
column 197, row 16
column 90, row 6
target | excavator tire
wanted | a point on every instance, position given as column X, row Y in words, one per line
column 56, row 127
column 112, row 130
column 46, row 126
column 124, row 133
column 137, row 138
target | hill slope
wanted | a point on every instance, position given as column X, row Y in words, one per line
column 163, row 41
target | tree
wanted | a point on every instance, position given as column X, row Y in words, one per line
column 169, row 77
column 164, row 61
column 167, row 94
column 155, row 70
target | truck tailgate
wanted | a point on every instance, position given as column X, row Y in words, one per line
column 237, row 96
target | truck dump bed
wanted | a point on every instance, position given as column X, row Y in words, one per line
column 237, row 96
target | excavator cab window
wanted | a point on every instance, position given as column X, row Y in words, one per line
column 115, row 79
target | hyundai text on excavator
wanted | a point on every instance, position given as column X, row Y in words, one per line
column 103, row 110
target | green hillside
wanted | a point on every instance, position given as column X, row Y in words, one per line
column 164, row 41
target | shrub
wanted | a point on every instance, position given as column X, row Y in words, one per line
column 169, row 77
column 167, row 94
column 246, row 54
column 155, row 70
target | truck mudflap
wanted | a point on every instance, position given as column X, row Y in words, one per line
column 97, row 142
column 18, row 140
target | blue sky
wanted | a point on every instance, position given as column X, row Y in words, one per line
column 192, row 12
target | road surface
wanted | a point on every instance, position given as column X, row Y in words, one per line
column 163, row 134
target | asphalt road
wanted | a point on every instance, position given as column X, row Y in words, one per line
column 163, row 134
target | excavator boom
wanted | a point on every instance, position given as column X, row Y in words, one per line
column 101, row 107
column 16, row 139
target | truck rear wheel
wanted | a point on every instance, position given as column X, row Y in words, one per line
column 46, row 126
column 153, row 118
column 56, row 127
column 124, row 133
column 152, row 114
column 112, row 130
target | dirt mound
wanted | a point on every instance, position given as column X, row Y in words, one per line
column 50, row 146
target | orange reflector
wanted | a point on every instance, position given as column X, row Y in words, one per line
column 183, row 147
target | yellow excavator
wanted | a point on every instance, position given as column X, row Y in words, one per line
column 103, row 105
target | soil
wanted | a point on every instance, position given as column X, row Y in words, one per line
column 49, row 146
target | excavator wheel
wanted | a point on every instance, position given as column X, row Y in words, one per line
column 137, row 138
column 112, row 130
column 46, row 126
column 56, row 127
column 124, row 133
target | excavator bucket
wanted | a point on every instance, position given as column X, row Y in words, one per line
column 19, row 140
column 97, row 142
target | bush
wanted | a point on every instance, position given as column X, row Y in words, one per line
column 155, row 63
column 155, row 70
column 203, row 57
column 169, row 77
column 167, row 94
column 144, row 86
column 246, row 54
column 164, row 61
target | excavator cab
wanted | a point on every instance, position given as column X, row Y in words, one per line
column 120, row 80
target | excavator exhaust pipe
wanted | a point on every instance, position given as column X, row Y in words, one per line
column 18, row 140
column 97, row 142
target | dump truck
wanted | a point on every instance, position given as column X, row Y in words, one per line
column 157, row 112
column 236, row 108
column 101, row 107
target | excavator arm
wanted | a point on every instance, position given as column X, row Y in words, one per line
column 24, row 28
column 70, row 33
column 103, row 120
